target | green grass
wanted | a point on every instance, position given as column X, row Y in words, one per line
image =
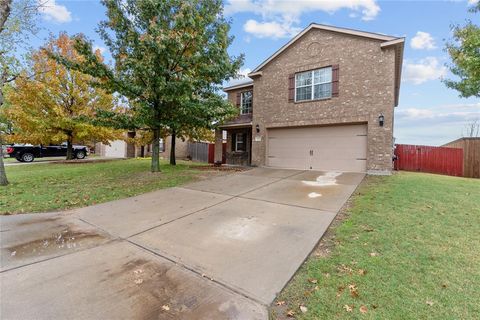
column 425, row 232
column 50, row 187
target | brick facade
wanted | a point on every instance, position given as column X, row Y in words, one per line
column 366, row 89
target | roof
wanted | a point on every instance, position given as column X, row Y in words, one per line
column 239, row 84
column 387, row 41
column 460, row 139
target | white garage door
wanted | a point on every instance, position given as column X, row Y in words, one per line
column 116, row 149
column 341, row 148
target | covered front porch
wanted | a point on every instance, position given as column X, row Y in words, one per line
column 239, row 144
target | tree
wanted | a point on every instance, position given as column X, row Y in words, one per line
column 472, row 129
column 170, row 60
column 464, row 51
column 17, row 22
column 56, row 103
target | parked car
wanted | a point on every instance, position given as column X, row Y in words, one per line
column 28, row 152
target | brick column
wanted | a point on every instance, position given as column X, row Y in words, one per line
column 218, row 146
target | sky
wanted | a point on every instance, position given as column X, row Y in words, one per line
column 428, row 112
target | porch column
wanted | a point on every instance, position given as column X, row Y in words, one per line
column 218, row 146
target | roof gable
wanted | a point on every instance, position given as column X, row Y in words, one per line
column 358, row 33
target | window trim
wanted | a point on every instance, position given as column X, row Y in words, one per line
column 313, row 84
column 241, row 102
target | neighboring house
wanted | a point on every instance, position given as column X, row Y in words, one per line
column 122, row 149
column 471, row 155
column 323, row 101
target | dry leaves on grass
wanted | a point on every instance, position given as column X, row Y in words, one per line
column 374, row 254
column 353, row 290
column 348, row 308
column 340, row 291
column 430, row 303
column 280, row 303
column 303, row 309
column 362, row 272
column 312, row 280
column 290, row 313
column 344, row 269
column 363, row 309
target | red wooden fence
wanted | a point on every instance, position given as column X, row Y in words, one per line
column 440, row 160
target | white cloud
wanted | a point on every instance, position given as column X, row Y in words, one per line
column 270, row 29
column 280, row 18
column 54, row 12
column 423, row 71
column 368, row 8
column 423, row 40
column 434, row 125
column 472, row 2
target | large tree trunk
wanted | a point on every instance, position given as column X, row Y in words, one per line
column 3, row 174
column 70, row 147
column 173, row 161
column 5, row 7
column 155, row 151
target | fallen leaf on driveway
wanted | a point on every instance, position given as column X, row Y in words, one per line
column 138, row 271
column 138, row 281
column 303, row 309
column 363, row 309
column 165, row 307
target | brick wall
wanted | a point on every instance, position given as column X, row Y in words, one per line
column 366, row 90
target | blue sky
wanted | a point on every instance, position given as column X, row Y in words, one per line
column 428, row 112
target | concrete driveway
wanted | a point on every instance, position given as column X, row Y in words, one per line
column 216, row 249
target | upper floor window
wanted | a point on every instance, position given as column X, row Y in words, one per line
column 246, row 102
column 313, row 85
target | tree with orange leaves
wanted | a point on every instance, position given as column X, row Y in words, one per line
column 57, row 104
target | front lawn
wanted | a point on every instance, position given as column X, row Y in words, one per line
column 48, row 187
column 408, row 248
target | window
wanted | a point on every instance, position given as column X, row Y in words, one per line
column 239, row 142
column 246, row 102
column 313, row 85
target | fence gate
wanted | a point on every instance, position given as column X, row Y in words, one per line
column 448, row 161
column 198, row 151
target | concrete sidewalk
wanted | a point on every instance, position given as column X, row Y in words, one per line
column 216, row 249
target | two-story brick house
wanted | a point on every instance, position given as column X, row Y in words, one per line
column 323, row 101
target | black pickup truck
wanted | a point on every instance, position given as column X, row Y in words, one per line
column 28, row 152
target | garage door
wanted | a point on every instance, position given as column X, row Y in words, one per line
column 342, row 148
